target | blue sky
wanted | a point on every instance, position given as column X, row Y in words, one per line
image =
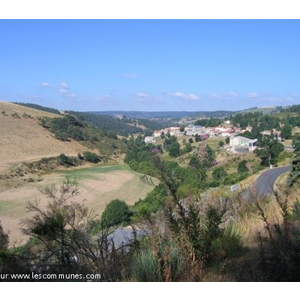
column 150, row 65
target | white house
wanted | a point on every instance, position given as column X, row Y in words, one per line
column 149, row 139
column 242, row 142
column 157, row 133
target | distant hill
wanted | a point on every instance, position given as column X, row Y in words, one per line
column 164, row 114
column 265, row 110
column 119, row 124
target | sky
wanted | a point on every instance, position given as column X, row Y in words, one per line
column 150, row 64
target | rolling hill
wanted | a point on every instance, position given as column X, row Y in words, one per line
column 23, row 139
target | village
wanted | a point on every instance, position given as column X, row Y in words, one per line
column 237, row 143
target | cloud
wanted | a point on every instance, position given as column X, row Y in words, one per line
column 142, row 95
column 145, row 97
column 63, row 91
column 64, row 85
column 231, row 94
column 227, row 95
column 214, row 96
column 186, row 97
column 104, row 99
column 46, row 85
column 129, row 76
column 252, row 95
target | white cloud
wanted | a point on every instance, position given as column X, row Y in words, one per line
column 64, row 85
column 253, row 95
column 63, row 91
column 142, row 95
column 145, row 97
column 214, row 96
column 46, row 85
column 186, row 97
column 227, row 95
column 231, row 94
column 130, row 76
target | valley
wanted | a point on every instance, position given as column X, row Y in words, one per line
column 178, row 178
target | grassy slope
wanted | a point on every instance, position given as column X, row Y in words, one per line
column 98, row 186
column 23, row 139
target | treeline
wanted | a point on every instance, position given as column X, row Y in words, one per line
column 212, row 122
column 124, row 126
column 39, row 107
column 71, row 127
column 107, row 123
column 293, row 109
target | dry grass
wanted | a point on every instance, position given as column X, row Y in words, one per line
column 98, row 186
column 23, row 139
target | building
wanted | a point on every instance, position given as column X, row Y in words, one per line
column 149, row 139
column 194, row 129
column 240, row 144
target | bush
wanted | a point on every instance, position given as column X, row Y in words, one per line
column 242, row 167
column 91, row 157
column 115, row 213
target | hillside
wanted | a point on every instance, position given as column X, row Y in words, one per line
column 23, row 139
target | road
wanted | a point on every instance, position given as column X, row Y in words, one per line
column 264, row 183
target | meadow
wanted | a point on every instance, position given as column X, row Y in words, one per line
column 98, row 186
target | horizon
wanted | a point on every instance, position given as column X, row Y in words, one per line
column 150, row 65
column 156, row 111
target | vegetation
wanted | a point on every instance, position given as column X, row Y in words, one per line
column 39, row 107
column 268, row 150
column 70, row 127
column 122, row 126
column 116, row 213
column 195, row 228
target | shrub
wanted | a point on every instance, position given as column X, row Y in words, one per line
column 91, row 157
column 115, row 213
column 242, row 167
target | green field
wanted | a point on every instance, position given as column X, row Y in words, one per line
column 92, row 172
column 98, row 185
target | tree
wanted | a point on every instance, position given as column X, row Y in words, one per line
column 174, row 149
column 188, row 148
column 242, row 167
column 115, row 213
column 219, row 174
column 227, row 140
column 268, row 150
column 197, row 138
column 64, row 229
column 221, row 144
column 286, row 131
